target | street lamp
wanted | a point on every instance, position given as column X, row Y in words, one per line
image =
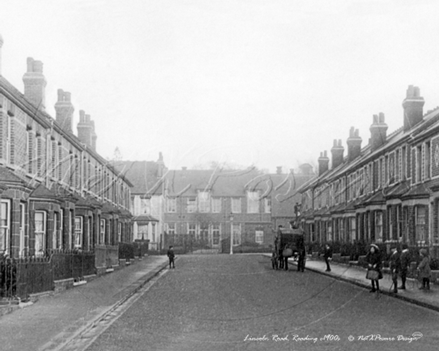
column 231, row 218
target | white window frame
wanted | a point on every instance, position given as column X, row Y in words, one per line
column 236, row 204
column 191, row 204
column 78, row 232
column 61, row 232
column 253, row 202
column 203, row 201
column 216, row 205
column 40, row 233
column 420, row 227
column 378, row 226
column 171, row 205
column 352, row 228
column 55, row 230
column 171, row 227
column 267, row 205
column 5, row 225
column 119, row 232
column 236, row 233
column 22, row 228
column 259, row 236
column 216, row 232
column 102, row 229
column 192, row 228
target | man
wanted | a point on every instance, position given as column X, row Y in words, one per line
column 327, row 256
column 170, row 255
column 301, row 255
column 405, row 260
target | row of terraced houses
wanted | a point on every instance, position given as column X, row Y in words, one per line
column 384, row 192
column 56, row 191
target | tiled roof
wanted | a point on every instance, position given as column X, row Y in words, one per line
column 144, row 175
column 422, row 190
column 8, row 176
column 144, row 219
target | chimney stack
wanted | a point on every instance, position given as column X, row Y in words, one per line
column 323, row 161
column 85, row 129
column 354, row 142
column 160, row 165
column 64, row 111
column 94, row 136
column 337, row 153
column 378, row 132
column 412, row 108
column 279, row 170
column 1, row 44
column 35, row 84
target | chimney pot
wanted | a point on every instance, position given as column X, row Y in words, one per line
column 323, row 163
column 64, row 110
column 35, row 83
column 412, row 108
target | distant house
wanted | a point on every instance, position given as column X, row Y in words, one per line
column 147, row 200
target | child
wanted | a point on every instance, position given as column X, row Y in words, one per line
column 327, row 256
column 394, row 266
column 170, row 255
column 424, row 269
column 274, row 259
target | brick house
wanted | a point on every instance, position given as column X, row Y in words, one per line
column 56, row 191
column 384, row 192
column 206, row 206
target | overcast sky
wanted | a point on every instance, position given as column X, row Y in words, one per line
column 251, row 82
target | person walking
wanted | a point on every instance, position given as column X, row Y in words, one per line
column 394, row 267
column 171, row 256
column 405, row 260
column 424, row 269
column 327, row 256
column 374, row 272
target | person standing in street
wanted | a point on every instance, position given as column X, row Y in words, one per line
column 171, row 256
column 327, row 256
column 394, row 267
column 424, row 269
column 405, row 260
column 374, row 272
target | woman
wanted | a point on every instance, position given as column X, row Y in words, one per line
column 374, row 272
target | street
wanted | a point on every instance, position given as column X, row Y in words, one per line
column 223, row 302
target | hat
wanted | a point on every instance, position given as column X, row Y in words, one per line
column 375, row 246
column 423, row 252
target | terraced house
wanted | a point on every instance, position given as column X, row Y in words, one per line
column 385, row 191
column 56, row 191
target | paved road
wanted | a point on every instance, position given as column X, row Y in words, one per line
column 223, row 302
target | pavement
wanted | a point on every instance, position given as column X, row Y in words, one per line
column 357, row 275
column 56, row 318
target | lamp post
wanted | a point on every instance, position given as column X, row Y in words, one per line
column 231, row 218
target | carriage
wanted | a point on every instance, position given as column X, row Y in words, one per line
column 288, row 243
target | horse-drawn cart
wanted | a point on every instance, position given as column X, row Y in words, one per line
column 289, row 243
